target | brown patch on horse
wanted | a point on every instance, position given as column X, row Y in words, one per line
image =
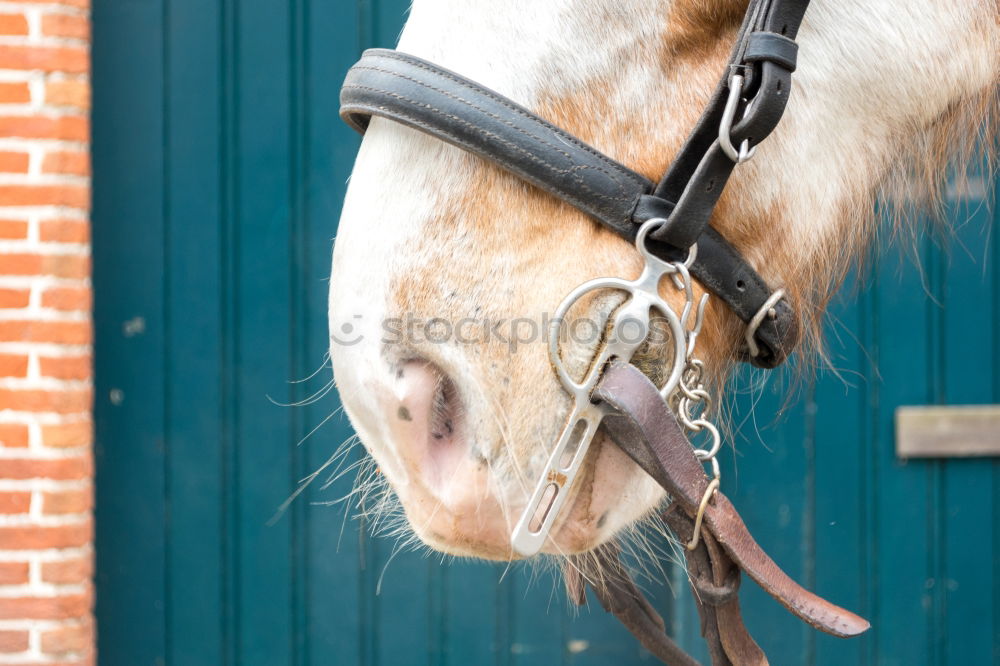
column 694, row 27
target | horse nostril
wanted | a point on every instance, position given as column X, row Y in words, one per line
column 427, row 419
column 443, row 410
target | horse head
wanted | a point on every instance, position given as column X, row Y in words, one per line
column 446, row 268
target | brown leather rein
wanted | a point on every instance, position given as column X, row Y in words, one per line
column 645, row 427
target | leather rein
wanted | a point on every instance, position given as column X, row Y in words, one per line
column 673, row 216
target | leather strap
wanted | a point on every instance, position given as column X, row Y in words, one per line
column 765, row 53
column 450, row 107
column 605, row 574
column 419, row 94
column 645, row 428
column 715, row 584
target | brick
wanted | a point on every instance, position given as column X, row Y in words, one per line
column 56, row 332
column 63, row 469
column 64, row 231
column 71, row 638
column 66, row 367
column 13, row 230
column 13, row 641
column 68, row 92
column 13, row 162
column 63, row 401
column 67, row 298
column 45, row 608
column 13, row 365
column 74, row 266
column 67, row 501
column 74, row 196
column 70, row 59
column 13, row 573
column 61, row 128
column 68, row 572
column 13, row 24
column 35, row 537
column 70, row 26
column 68, row 435
column 13, row 435
column 15, row 93
column 76, row 163
column 14, row 298
column 15, row 502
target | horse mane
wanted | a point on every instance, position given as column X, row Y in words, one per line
column 909, row 198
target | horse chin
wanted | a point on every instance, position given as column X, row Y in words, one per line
column 611, row 495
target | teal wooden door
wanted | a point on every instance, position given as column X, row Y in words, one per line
column 219, row 171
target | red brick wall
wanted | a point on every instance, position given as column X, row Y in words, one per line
column 46, row 467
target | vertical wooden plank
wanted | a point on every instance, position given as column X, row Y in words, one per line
column 933, row 265
column 766, row 480
column 228, row 230
column 841, row 455
column 902, row 618
column 333, row 623
column 472, row 613
column 128, row 228
column 405, row 592
column 261, row 292
column 538, row 617
column 995, row 504
column 194, row 334
column 595, row 638
column 298, row 15
column 969, row 374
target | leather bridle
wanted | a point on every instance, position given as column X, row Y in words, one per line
column 755, row 86
column 746, row 106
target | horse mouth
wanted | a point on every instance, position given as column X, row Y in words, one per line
column 611, row 493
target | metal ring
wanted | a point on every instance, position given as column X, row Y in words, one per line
column 559, row 318
column 716, row 440
column 662, row 267
column 765, row 310
column 696, row 536
column 683, row 280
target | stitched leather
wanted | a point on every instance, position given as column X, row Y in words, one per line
column 445, row 105
column 452, row 108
